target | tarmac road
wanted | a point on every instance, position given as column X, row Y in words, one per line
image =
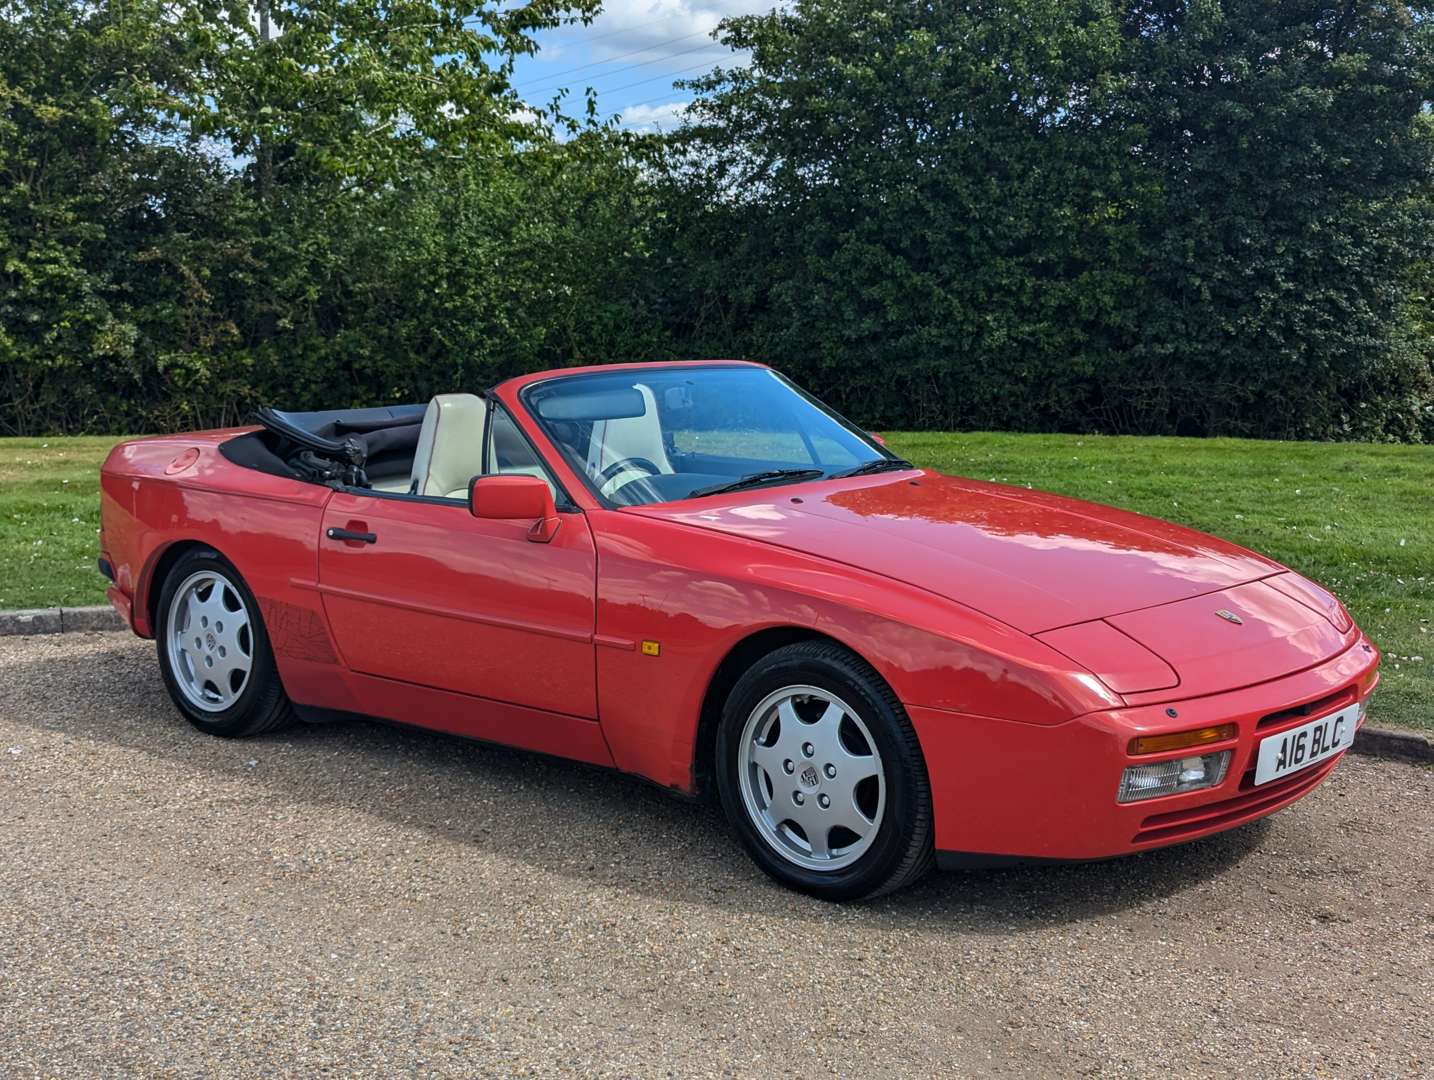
column 355, row 900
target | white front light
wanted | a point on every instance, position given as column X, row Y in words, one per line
column 1173, row 777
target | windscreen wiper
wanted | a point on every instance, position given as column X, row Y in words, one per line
column 757, row 479
column 866, row 468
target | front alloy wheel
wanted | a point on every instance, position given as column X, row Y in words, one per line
column 811, row 778
column 821, row 774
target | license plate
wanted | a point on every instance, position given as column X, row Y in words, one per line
column 1299, row 748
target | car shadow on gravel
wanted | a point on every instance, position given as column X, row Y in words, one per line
column 603, row 828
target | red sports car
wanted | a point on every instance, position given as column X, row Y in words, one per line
column 698, row 574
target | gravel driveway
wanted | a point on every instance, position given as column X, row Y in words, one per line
column 356, row 900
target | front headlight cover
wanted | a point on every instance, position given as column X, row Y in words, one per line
column 1306, row 592
column 1116, row 658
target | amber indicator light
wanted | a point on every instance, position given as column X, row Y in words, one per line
column 1154, row 744
column 651, row 648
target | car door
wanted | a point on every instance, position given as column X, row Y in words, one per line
column 418, row 590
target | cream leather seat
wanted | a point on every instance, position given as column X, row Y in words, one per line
column 628, row 437
column 450, row 446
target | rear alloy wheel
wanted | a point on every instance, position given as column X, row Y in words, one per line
column 213, row 651
column 821, row 774
column 210, row 640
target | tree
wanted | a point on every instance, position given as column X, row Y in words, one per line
column 361, row 90
column 1285, row 155
column 1147, row 216
column 185, row 186
column 93, row 174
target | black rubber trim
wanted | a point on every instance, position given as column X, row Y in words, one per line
column 106, row 569
column 563, row 501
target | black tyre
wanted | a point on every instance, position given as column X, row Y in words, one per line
column 821, row 774
column 213, row 651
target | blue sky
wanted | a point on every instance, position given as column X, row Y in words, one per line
column 630, row 54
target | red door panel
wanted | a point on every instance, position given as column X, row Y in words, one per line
column 441, row 599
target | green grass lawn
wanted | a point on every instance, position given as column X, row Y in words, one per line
column 50, row 521
column 1357, row 518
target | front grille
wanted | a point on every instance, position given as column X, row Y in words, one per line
column 1338, row 700
column 1251, row 803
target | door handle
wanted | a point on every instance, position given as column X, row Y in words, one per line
column 352, row 537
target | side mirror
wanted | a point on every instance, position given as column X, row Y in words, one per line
column 515, row 498
column 877, row 438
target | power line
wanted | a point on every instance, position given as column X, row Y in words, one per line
column 649, row 63
column 655, row 78
column 560, row 75
column 630, row 29
column 659, row 97
column 655, row 100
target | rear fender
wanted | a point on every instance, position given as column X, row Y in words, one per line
column 267, row 527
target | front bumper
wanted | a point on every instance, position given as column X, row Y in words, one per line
column 1003, row 789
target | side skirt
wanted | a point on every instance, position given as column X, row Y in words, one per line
column 317, row 715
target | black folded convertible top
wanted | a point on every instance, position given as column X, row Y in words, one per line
column 379, row 440
column 335, row 423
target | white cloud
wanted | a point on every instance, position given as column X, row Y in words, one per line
column 650, row 118
column 665, row 27
column 634, row 50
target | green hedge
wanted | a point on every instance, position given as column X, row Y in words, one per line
column 1199, row 217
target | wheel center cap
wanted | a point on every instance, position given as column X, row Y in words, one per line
column 209, row 641
column 809, row 777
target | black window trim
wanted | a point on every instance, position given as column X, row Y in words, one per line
column 565, row 503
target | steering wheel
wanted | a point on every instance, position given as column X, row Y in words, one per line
column 616, row 471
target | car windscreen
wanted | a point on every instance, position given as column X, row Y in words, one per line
column 661, row 434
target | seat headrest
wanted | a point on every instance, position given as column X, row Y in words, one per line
column 450, row 444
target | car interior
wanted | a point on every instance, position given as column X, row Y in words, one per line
column 432, row 451
column 657, row 437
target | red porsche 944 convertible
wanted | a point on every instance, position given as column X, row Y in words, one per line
column 699, row 574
